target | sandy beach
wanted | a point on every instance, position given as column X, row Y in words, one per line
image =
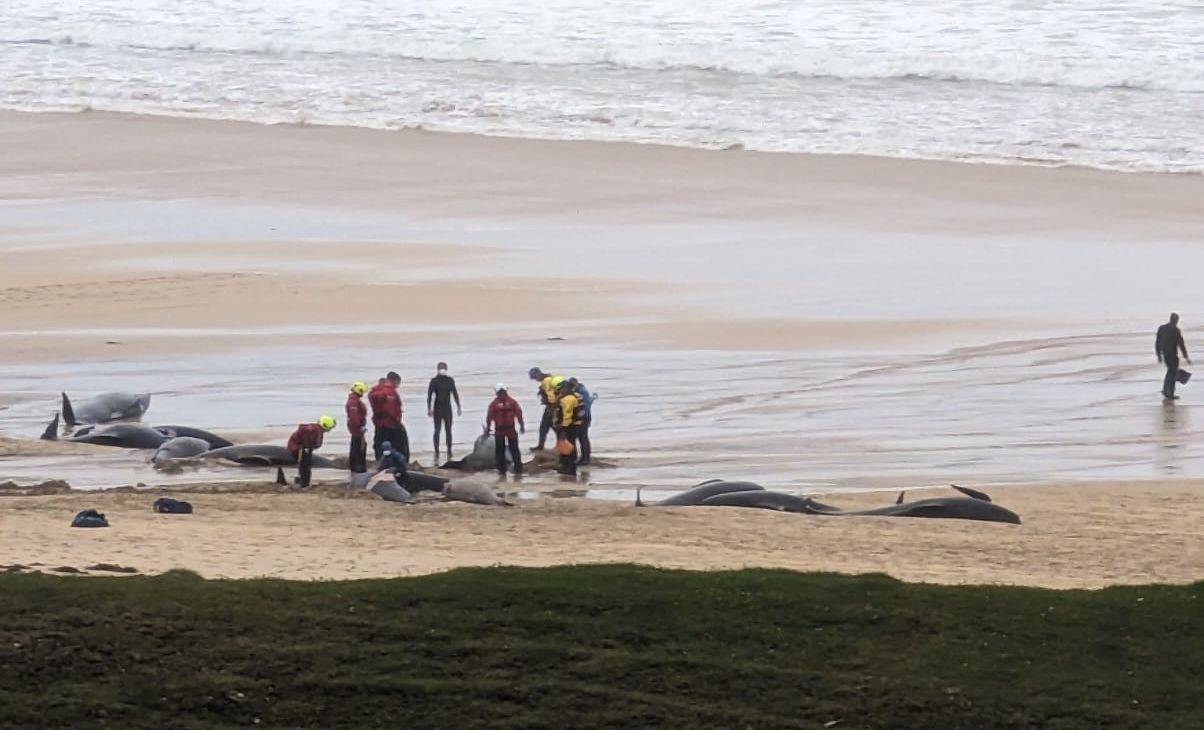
column 1084, row 535
column 818, row 323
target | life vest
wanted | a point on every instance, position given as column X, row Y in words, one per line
column 548, row 385
column 572, row 411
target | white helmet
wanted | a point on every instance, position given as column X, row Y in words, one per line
column 499, row 388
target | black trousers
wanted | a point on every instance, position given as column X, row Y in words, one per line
column 443, row 420
column 1168, row 383
column 568, row 462
column 583, row 437
column 305, row 467
column 545, row 424
column 500, row 444
column 395, row 435
column 357, row 456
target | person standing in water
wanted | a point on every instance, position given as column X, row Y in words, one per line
column 503, row 413
column 1168, row 343
column 357, row 426
column 569, row 417
column 439, row 396
column 548, row 385
column 386, row 415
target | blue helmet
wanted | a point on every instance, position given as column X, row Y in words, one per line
column 534, row 373
column 386, row 446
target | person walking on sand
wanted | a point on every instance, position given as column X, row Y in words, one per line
column 386, row 416
column 357, row 426
column 548, row 384
column 439, row 396
column 1168, row 343
column 503, row 413
column 302, row 443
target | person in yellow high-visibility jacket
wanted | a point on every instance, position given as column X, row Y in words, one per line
column 548, row 386
column 570, row 414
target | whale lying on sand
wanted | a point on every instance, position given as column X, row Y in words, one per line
column 105, row 408
column 473, row 493
column 262, row 455
column 482, row 458
column 214, row 441
column 179, row 447
column 974, row 506
column 121, row 435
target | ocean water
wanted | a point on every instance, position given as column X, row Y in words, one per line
column 1113, row 83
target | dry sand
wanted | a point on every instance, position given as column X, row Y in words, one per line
column 1074, row 536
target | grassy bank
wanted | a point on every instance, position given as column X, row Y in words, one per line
column 595, row 647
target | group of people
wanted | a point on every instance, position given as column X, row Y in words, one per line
column 567, row 406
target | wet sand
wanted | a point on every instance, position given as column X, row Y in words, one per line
column 1073, row 536
column 810, row 322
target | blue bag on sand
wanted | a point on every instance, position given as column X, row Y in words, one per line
column 169, row 506
column 89, row 518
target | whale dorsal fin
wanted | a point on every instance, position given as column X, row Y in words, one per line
column 900, row 499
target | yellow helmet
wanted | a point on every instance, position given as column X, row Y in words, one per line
column 358, row 388
column 326, row 423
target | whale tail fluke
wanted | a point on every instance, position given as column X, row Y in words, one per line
column 972, row 493
column 68, row 411
column 52, row 430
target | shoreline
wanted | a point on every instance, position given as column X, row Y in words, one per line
column 739, row 147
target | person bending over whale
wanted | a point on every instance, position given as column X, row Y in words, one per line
column 302, row 443
column 548, row 385
column 439, row 396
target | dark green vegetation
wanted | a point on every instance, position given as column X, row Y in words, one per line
column 591, row 647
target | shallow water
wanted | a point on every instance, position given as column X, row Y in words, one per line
column 1015, row 411
column 1070, row 391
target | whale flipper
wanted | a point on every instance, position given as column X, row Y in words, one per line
column 972, row 493
column 68, row 411
column 52, row 430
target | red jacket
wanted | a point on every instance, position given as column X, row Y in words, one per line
column 307, row 436
column 357, row 414
column 386, row 405
column 503, row 412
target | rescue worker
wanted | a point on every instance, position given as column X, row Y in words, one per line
column 439, row 396
column 587, row 418
column 568, row 426
column 386, row 416
column 548, row 384
column 357, row 426
column 503, row 412
column 302, row 443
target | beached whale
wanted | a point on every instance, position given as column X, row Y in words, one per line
column 214, row 441
column 482, row 458
column 105, row 408
column 955, row 508
column 179, row 447
column 262, row 455
column 120, row 435
column 698, row 494
column 473, row 493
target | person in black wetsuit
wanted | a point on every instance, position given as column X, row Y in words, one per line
column 439, row 396
column 1168, row 343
